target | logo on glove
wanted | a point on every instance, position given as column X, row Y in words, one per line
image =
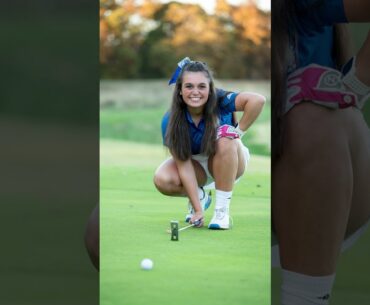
column 227, row 131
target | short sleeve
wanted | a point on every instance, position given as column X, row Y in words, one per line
column 322, row 12
column 164, row 125
column 226, row 100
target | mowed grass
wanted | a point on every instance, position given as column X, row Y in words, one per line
column 204, row 267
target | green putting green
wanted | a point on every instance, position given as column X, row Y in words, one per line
column 205, row 266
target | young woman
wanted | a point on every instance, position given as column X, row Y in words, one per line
column 321, row 143
column 205, row 146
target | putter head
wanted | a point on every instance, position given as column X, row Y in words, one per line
column 174, row 230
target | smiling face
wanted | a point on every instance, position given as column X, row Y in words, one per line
column 195, row 89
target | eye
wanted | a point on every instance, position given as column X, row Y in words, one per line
column 188, row 86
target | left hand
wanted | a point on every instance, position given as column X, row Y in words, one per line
column 227, row 131
column 197, row 219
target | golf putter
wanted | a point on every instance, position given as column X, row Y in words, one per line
column 174, row 230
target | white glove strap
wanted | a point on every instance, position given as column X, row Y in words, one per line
column 358, row 87
column 351, row 80
column 240, row 132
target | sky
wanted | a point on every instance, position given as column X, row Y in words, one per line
column 208, row 5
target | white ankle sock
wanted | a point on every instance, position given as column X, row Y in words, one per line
column 301, row 289
column 223, row 199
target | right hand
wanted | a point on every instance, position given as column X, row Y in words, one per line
column 197, row 219
column 227, row 131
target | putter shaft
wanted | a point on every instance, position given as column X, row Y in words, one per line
column 184, row 228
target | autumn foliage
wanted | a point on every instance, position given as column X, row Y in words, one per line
column 145, row 39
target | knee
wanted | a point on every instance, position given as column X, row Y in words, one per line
column 163, row 182
column 92, row 247
column 226, row 147
column 92, row 238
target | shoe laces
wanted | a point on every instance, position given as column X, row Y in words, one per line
column 220, row 212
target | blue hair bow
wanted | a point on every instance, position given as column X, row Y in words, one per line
column 176, row 74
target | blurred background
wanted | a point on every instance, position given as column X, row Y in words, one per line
column 49, row 157
column 145, row 39
column 142, row 41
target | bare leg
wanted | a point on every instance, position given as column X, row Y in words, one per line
column 312, row 190
column 360, row 147
column 227, row 164
column 167, row 180
column 92, row 237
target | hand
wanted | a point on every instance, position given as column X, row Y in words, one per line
column 240, row 132
column 197, row 219
column 227, row 131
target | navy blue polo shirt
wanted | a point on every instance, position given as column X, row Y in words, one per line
column 226, row 107
column 314, row 21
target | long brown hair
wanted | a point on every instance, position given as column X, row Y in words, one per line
column 284, row 35
column 178, row 134
column 280, row 44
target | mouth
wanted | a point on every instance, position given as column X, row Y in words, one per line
column 195, row 99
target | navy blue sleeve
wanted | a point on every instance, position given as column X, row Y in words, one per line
column 164, row 125
column 226, row 100
column 322, row 12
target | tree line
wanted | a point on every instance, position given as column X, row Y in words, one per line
column 146, row 39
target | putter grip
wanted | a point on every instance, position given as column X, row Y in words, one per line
column 174, row 230
column 197, row 223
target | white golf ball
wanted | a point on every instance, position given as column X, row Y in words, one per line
column 146, row 264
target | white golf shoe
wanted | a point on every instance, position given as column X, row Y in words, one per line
column 205, row 202
column 220, row 219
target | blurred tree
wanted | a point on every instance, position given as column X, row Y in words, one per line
column 252, row 23
column 122, row 32
column 147, row 38
column 192, row 32
column 249, row 39
column 223, row 9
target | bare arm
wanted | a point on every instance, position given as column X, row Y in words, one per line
column 363, row 61
column 189, row 181
column 343, row 43
column 251, row 104
column 357, row 10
